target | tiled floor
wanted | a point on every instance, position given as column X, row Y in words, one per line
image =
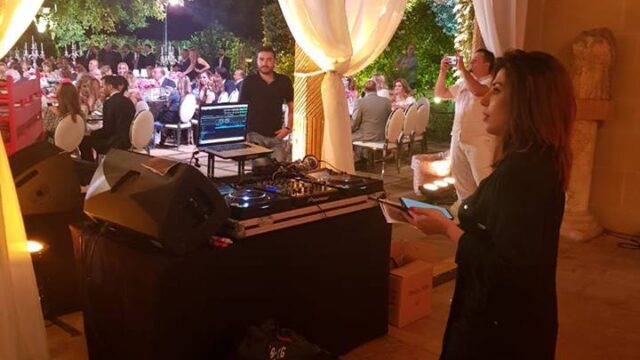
column 598, row 296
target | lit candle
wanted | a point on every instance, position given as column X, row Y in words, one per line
column 450, row 180
column 430, row 187
column 441, row 183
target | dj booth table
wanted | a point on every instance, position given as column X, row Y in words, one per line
column 326, row 279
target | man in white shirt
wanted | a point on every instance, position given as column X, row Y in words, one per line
column 472, row 148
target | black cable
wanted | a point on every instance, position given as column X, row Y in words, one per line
column 630, row 242
column 330, row 164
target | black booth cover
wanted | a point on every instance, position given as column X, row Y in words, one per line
column 327, row 280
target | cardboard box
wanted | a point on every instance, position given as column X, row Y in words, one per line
column 410, row 283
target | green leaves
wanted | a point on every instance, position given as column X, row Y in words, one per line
column 77, row 20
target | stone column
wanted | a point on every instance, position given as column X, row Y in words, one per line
column 308, row 117
column 593, row 52
column 578, row 223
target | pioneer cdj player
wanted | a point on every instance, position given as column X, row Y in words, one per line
column 257, row 197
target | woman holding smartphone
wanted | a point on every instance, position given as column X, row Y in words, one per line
column 504, row 304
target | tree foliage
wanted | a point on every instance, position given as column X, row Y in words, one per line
column 213, row 38
column 77, row 20
column 277, row 34
column 420, row 28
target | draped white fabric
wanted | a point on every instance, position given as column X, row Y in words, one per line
column 22, row 331
column 502, row 23
column 342, row 37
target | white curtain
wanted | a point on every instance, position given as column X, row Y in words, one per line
column 22, row 331
column 502, row 23
column 342, row 37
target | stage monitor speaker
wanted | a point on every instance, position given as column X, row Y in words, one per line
column 46, row 180
column 179, row 210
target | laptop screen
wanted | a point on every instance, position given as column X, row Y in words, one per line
column 222, row 123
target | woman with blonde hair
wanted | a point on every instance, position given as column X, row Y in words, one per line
column 197, row 65
column 90, row 94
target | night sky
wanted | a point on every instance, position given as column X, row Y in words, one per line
column 241, row 17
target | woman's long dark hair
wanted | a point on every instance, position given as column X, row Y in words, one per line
column 542, row 106
column 69, row 101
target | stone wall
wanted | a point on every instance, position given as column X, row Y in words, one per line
column 551, row 26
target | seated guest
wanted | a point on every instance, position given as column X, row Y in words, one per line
column 68, row 104
column 401, row 94
column 131, row 80
column 204, row 89
column 381, row 85
column 105, row 70
column 227, row 84
column 117, row 116
column 218, row 87
column 90, row 94
column 170, row 113
column 369, row 117
column 123, row 68
column 81, row 71
column 238, row 78
column 94, row 69
column 160, row 76
column 184, row 85
column 3, row 68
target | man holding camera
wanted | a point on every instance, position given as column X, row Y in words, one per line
column 472, row 148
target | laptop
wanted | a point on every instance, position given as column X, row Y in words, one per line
column 222, row 131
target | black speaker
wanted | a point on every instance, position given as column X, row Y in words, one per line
column 175, row 205
column 46, row 180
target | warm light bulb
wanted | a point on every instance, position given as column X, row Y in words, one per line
column 34, row 246
column 430, row 187
column 437, row 100
column 441, row 183
column 450, row 180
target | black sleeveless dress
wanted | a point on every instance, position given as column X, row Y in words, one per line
column 194, row 74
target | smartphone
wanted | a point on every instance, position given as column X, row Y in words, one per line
column 394, row 205
column 409, row 203
column 453, row 60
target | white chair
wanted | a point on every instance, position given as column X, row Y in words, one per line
column 422, row 123
column 69, row 133
column 409, row 127
column 235, row 94
column 141, row 131
column 392, row 134
column 187, row 110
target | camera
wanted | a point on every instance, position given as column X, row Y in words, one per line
column 453, row 60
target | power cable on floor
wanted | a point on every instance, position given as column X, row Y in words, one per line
column 629, row 241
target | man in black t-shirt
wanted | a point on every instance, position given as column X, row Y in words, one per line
column 266, row 92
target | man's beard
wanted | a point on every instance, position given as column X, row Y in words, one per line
column 268, row 72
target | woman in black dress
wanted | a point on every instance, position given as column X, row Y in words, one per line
column 504, row 304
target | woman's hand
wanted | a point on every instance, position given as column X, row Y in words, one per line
column 431, row 222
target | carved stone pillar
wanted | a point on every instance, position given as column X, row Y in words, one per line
column 593, row 52
column 308, row 117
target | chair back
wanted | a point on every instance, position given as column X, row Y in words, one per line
column 410, row 119
column 423, row 100
column 422, row 119
column 188, row 108
column 69, row 134
column 141, row 130
column 394, row 125
column 235, row 94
